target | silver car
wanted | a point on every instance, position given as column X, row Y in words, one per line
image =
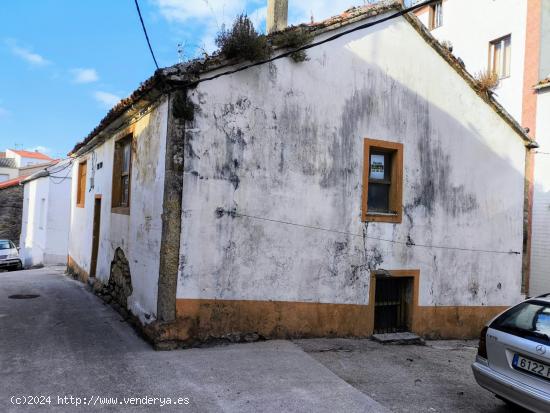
column 9, row 256
column 513, row 359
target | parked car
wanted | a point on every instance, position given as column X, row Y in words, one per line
column 513, row 359
column 9, row 256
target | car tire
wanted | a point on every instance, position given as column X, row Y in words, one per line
column 19, row 266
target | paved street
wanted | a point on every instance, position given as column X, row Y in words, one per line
column 410, row 379
column 67, row 342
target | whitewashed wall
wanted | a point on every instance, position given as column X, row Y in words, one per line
column 45, row 222
column 138, row 234
column 285, row 141
column 471, row 24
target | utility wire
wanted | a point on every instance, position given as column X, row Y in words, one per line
column 145, row 32
column 407, row 243
column 311, row 45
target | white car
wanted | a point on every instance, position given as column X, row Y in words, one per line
column 9, row 256
column 513, row 359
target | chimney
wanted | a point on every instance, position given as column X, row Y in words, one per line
column 277, row 15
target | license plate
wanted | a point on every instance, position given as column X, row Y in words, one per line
column 532, row 366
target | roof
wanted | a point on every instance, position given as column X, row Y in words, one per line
column 7, row 163
column 60, row 167
column 11, row 182
column 188, row 74
column 29, row 154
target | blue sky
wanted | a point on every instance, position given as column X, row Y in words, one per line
column 64, row 63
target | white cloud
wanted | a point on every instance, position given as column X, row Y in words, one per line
column 212, row 14
column 106, row 99
column 83, row 75
column 42, row 149
column 26, row 54
column 301, row 12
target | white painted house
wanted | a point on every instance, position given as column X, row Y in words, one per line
column 293, row 199
column 46, row 216
column 27, row 158
column 512, row 38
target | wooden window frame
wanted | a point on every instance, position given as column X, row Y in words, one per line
column 491, row 57
column 432, row 15
column 116, row 206
column 396, row 186
column 81, row 184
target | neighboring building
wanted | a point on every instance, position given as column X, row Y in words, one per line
column 11, row 209
column 368, row 188
column 512, row 39
column 8, row 169
column 46, row 215
column 14, row 163
column 27, row 158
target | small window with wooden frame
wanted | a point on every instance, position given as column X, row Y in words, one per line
column 122, row 173
column 436, row 15
column 382, row 199
column 81, row 184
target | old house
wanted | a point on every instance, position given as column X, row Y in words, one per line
column 46, row 215
column 367, row 185
column 510, row 38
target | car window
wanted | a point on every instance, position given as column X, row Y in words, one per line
column 5, row 245
column 530, row 319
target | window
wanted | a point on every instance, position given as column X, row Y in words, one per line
column 436, row 15
column 382, row 181
column 81, row 184
column 122, row 169
column 500, row 51
column 529, row 320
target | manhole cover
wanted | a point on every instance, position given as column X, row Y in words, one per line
column 23, row 296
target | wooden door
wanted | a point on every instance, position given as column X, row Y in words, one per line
column 95, row 235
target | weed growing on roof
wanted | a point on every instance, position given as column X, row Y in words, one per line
column 293, row 39
column 486, row 81
column 243, row 41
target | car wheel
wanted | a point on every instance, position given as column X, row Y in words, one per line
column 19, row 267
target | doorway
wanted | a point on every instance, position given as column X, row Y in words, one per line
column 95, row 235
column 393, row 304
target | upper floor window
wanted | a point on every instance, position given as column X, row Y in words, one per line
column 81, row 184
column 382, row 181
column 500, row 51
column 122, row 168
column 436, row 15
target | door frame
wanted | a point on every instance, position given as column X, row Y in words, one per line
column 415, row 276
column 96, row 225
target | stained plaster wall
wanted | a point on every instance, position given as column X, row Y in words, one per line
column 284, row 141
column 137, row 234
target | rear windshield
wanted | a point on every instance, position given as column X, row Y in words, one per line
column 530, row 320
column 5, row 245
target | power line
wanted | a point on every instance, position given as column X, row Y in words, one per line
column 145, row 32
column 407, row 243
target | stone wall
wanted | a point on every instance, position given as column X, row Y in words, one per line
column 11, row 211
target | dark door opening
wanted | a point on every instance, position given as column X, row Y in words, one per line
column 392, row 304
column 95, row 236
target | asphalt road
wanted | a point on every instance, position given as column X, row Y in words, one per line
column 410, row 379
column 66, row 342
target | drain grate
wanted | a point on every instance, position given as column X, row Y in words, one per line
column 23, row 296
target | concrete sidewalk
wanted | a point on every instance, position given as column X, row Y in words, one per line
column 67, row 342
